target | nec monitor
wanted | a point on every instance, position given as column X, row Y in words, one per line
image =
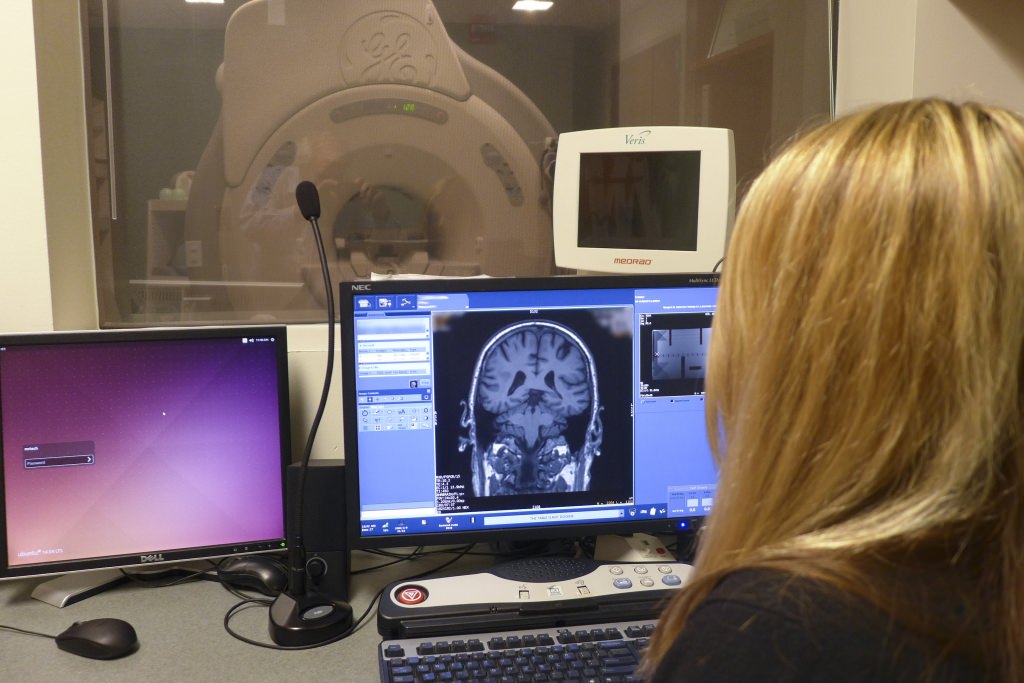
column 135, row 447
column 658, row 199
column 521, row 409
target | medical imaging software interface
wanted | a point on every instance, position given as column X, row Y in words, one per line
column 510, row 409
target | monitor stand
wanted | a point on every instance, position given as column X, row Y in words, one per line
column 68, row 589
column 77, row 586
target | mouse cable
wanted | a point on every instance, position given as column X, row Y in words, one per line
column 190, row 575
column 4, row 627
column 356, row 624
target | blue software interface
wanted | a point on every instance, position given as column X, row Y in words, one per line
column 482, row 410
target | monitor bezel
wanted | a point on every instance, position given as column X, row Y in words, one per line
column 348, row 291
column 715, row 212
column 156, row 559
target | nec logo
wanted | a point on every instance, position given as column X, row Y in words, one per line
column 637, row 138
column 633, row 261
column 360, row 288
column 158, row 557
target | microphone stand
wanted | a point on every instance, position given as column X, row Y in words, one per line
column 300, row 617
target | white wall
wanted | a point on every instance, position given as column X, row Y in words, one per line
column 307, row 363
column 24, row 266
column 960, row 49
column 58, row 35
column 971, row 49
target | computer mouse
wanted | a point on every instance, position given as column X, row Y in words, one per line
column 99, row 639
column 256, row 572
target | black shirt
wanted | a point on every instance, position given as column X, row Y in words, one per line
column 761, row 625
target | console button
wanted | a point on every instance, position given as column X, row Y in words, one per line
column 624, row 583
column 317, row 612
column 411, row 595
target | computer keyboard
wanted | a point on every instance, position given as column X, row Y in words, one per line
column 602, row 652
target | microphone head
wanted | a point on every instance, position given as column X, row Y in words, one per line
column 308, row 199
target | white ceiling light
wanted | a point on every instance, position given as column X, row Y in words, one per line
column 205, row 2
column 532, row 5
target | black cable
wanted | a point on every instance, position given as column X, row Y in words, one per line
column 718, row 265
column 26, row 632
column 398, row 559
column 192, row 575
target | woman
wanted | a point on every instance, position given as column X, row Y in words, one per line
column 865, row 402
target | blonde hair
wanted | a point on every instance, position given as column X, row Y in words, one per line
column 864, row 393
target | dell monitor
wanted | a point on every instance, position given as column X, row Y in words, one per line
column 139, row 447
column 657, row 199
column 520, row 409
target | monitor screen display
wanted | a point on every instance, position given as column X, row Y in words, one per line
column 654, row 199
column 639, row 200
column 562, row 406
column 132, row 447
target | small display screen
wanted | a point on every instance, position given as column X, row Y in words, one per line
column 639, row 200
column 121, row 446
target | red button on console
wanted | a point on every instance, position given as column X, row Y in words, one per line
column 411, row 595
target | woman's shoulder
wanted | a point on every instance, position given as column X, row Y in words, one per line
column 781, row 594
column 759, row 624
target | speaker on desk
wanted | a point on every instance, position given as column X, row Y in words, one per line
column 328, row 560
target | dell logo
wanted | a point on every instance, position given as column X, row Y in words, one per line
column 637, row 138
column 360, row 288
column 633, row 261
column 157, row 557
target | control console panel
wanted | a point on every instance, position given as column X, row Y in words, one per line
column 505, row 597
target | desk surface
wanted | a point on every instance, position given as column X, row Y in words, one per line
column 182, row 637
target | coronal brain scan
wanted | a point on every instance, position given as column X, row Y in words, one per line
column 529, row 380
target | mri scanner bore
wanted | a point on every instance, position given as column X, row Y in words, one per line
column 427, row 161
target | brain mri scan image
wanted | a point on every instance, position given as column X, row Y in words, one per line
column 530, row 379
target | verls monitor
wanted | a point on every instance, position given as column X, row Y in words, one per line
column 525, row 408
column 138, row 447
column 656, row 199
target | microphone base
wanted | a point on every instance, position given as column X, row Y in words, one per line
column 307, row 620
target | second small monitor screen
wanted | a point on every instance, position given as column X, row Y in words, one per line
column 639, row 200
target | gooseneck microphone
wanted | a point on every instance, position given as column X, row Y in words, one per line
column 298, row 617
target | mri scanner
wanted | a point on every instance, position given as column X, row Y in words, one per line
column 427, row 161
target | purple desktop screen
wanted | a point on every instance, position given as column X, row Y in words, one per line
column 133, row 447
